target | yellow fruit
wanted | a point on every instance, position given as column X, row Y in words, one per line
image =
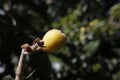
column 54, row 40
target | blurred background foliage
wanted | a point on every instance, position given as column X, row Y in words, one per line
column 92, row 51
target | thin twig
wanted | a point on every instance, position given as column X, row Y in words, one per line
column 26, row 50
column 30, row 75
column 19, row 70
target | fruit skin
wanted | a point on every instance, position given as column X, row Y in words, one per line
column 54, row 40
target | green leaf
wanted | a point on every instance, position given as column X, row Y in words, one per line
column 91, row 47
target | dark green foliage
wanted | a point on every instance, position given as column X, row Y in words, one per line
column 92, row 51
